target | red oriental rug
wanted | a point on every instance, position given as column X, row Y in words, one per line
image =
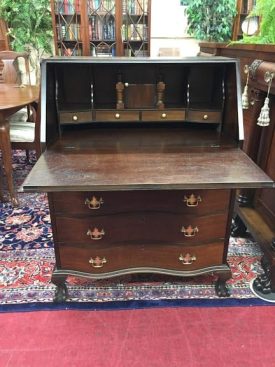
column 27, row 261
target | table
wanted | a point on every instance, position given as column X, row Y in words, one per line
column 12, row 98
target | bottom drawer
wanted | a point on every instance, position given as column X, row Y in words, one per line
column 100, row 259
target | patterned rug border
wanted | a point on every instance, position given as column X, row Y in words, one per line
column 133, row 305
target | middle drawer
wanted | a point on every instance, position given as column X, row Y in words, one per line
column 142, row 227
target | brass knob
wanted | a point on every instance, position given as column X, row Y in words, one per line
column 95, row 234
column 163, row 115
column 205, row 117
column 187, row 259
column 94, row 203
column 75, row 118
column 97, row 262
column 189, row 231
column 192, row 200
column 117, row 115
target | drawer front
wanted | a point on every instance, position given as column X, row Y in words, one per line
column 204, row 116
column 117, row 115
column 106, row 259
column 75, row 117
column 199, row 202
column 163, row 115
column 155, row 228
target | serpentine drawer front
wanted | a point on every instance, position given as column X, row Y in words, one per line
column 104, row 259
column 144, row 226
column 200, row 202
column 141, row 166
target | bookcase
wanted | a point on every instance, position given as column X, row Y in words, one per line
column 101, row 27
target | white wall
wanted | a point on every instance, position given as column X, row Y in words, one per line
column 169, row 28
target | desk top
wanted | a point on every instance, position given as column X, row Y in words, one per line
column 144, row 159
column 13, row 95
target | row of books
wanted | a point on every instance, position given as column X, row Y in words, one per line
column 68, row 32
column 134, row 32
column 102, row 5
column 135, row 7
column 67, row 7
column 102, row 28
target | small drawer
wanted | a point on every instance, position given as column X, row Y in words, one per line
column 204, row 116
column 75, row 117
column 117, row 115
column 106, row 259
column 163, row 115
column 199, row 202
column 143, row 227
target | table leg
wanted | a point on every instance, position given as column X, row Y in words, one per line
column 5, row 146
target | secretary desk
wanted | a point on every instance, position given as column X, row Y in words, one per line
column 141, row 166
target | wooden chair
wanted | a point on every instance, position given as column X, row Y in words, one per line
column 9, row 67
column 25, row 135
column 10, row 72
column 24, row 126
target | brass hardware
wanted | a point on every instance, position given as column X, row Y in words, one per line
column 189, row 231
column 192, row 200
column 94, row 203
column 187, row 259
column 117, row 115
column 75, row 118
column 97, row 262
column 95, row 234
column 205, row 117
column 163, row 115
column 264, row 118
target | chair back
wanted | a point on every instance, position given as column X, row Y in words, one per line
column 9, row 67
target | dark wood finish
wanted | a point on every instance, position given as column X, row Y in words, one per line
column 246, row 53
column 103, row 27
column 201, row 202
column 12, row 98
column 256, row 208
column 131, row 257
column 142, row 193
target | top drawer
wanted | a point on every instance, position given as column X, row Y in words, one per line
column 163, row 115
column 179, row 201
column 75, row 117
column 207, row 116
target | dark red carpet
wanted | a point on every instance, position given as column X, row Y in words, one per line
column 168, row 337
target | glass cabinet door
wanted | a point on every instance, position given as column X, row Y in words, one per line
column 101, row 24
column 135, row 27
column 67, row 27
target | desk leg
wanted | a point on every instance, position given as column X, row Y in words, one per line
column 5, row 146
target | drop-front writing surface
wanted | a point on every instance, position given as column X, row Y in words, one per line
column 145, row 184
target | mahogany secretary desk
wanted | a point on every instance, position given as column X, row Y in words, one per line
column 141, row 165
